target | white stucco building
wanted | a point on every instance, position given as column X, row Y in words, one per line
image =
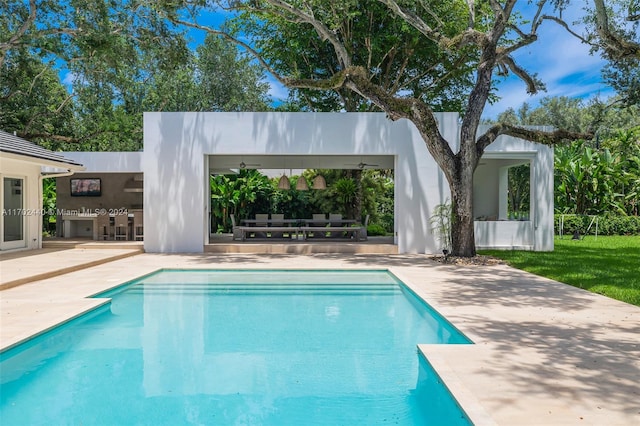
column 23, row 165
column 182, row 149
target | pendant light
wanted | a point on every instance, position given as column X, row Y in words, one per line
column 284, row 183
column 301, row 184
column 319, row 182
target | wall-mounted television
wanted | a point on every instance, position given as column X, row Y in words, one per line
column 86, row 187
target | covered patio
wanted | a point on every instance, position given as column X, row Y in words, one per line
column 183, row 149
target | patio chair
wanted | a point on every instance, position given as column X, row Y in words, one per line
column 275, row 217
column 237, row 232
column 335, row 219
column 262, row 221
column 318, row 220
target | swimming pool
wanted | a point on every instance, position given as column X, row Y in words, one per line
column 237, row 347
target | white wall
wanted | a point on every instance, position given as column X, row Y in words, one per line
column 541, row 157
column 30, row 172
column 107, row 162
column 177, row 146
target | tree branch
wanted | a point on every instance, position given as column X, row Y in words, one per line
column 234, row 40
column 13, row 41
column 616, row 45
column 323, row 31
column 416, row 22
column 546, row 138
column 566, row 27
column 532, row 87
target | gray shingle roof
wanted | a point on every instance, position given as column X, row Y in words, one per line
column 16, row 145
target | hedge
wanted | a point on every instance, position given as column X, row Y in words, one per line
column 375, row 229
column 608, row 224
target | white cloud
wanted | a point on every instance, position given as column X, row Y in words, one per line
column 277, row 91
column 68, row 79
column 562, row 62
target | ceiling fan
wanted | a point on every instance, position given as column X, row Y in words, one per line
column 244, row 165
column 362, row 165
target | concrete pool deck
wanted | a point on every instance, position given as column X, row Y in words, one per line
column 545, row 353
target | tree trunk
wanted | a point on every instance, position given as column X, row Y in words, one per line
column 462, row 233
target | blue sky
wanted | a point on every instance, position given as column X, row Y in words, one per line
column 562, row 62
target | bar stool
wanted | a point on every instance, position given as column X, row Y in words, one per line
column 138, row 226
column 103, row 222
column 121, row 227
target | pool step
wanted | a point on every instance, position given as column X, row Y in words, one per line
column 232, row 289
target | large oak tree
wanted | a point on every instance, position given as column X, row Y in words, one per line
column 459, row 36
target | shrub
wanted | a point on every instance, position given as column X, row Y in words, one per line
column 608, row 224
column 374, row 230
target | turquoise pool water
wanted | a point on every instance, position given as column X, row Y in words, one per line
column 237, row 348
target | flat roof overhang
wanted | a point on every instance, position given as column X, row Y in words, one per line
column 229, row 163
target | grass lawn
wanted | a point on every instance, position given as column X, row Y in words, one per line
column 607, row 265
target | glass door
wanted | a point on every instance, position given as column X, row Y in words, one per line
column 12, row 213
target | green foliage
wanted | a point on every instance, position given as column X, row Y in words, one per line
column 243, row 195
column 623, row 75
column 376, row 230
column 584, row 179
column 395, row 55
column 594, row 181
column 33, row 101
column 611, row 224
column 120, row 60
column 519, row 189
column 608, row 224
column 597, row 176
column 606, row 265
column 345, row 191
column 227, row 80
column 250, row 192
column 376, row 195
column 561, row 112
column 440, row 222
column 576, row 115
column 291, row 202
column 619, row 46
column 378, row 198
column 48, row 205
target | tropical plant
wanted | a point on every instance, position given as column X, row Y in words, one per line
column 585, row 180
column 519, row 194
column 441, row 225
column 48, row 204
column 243, row 195
column 345, row 191
column 377, row 198
column 291, row 202
column 225, row 198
